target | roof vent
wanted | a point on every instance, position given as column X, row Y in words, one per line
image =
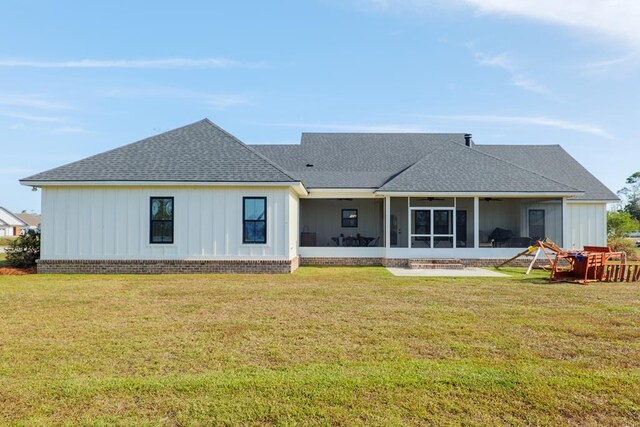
column 467, row 140
column 309, row 165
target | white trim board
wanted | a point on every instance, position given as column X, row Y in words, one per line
column 297, row 186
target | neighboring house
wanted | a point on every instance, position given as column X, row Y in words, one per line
column 10, row 224
column 32, row 221
column 197, row 199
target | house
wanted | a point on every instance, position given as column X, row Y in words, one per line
column 197, row 199
column 10, row 224
column 31, row 221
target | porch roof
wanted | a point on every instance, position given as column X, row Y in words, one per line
column 433, row 163
column 458, row 168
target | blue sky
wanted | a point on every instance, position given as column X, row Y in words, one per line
column 78, row 78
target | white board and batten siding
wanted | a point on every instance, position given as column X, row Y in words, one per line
column 585, row 224
column 114, row 223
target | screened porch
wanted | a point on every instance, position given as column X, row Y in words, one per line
column 345, row 222
column 488, row 222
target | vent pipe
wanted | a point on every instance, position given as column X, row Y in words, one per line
column 467, row 140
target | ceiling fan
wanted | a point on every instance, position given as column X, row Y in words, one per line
column 491, row 199
column 431, row 199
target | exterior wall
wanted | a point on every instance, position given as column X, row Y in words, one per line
column 553, row 220
column 586, row 224
column 8, row 231
column 503, row 214
column 513, row 214
column 112, row 223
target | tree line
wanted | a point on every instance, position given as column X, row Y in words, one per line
column 621, row 223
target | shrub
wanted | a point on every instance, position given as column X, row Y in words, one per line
column 25, row 250
column 624, row 245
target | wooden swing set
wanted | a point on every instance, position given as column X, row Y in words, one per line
column 593, row 264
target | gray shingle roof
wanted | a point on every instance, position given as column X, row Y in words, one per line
column 554, row 162
column 458, row 168
column 400, row 162
column 199, row 152
column 378, row 161
column 354, row 160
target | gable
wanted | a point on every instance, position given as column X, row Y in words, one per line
column 7, row 218
column 200, row 152
column 462, row 169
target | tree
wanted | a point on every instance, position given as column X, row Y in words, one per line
column 620, row 224
column 631, row 196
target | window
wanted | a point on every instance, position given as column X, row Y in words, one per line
column 536, row 224
column 161, row 221
column 350, row 218
column 254, row 220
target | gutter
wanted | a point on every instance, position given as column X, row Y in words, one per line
column 297, row 186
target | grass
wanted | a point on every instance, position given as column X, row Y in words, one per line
column 321, row 346
column 6, row 241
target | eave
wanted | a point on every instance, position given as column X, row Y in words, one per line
column 297, row 186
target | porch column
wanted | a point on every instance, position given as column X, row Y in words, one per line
column 476, row 222
column 565, row 229
column 387, row 222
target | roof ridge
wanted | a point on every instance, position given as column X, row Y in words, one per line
column 251, row 150
column 384, row 133
column 518, row 145
column 412, row 165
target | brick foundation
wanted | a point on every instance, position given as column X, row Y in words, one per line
column 167, row 266
column 238, row 266
column 341, row 262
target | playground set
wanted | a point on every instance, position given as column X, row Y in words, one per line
column 592, row 264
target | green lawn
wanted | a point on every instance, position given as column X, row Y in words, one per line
column 6, row 241
column 321, row 346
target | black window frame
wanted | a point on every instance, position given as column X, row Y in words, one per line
column 172, row 220
column 342, row 218
column 245, row 220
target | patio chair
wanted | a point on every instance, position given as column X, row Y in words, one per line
column 374, row 242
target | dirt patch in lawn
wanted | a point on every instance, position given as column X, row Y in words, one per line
column 14, row 271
